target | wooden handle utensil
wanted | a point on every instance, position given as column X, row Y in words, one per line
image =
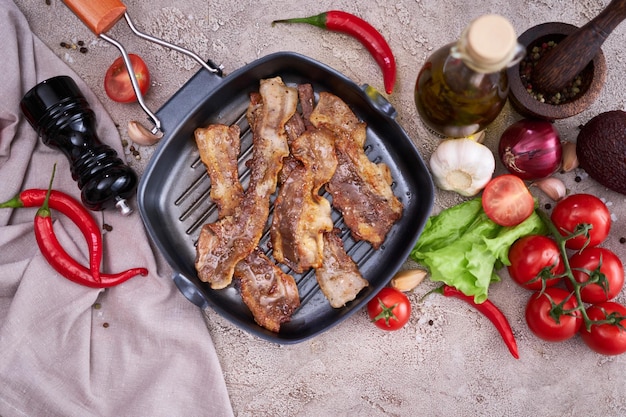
column 561, row 64
column 97, row 15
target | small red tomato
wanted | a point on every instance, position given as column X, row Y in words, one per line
column 117, row 82
column 600, row 266
column 578, row 209
column 390, row 309
column 606, row 338
column 533, row 257
column 548, row 319
column 507, row 201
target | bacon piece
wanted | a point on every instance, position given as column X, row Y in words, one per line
column 334, row 113
column 270, row 294
column 221, row 245
column 301, row 215
column 338, row 277
column 307, row 103
column 219, row 148
column 360, row 189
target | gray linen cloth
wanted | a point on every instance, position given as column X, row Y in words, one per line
column 138, row 349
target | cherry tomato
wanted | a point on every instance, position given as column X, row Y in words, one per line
column 390, row 309
column 578, row 209
column 533, row 257
column 117, row 82
column 507, row 201
column 606, row 338
column 606, row 281
column 540, row 315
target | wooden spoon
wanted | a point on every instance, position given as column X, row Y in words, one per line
column 561, row 64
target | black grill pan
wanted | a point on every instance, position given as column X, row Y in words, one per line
column 174, row 202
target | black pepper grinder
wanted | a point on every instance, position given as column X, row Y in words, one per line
column 61, row 116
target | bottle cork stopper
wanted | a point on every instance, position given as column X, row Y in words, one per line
column 490, row 42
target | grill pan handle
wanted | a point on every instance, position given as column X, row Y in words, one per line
column 98, row 15
column 190, row 290
column 378, row 101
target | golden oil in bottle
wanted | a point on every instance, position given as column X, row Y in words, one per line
column 463, row 86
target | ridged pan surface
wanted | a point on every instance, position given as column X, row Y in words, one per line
column 174, row 202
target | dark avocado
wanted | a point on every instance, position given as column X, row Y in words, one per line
column 601, row 149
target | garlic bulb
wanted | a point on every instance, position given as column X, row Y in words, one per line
column 462, row 165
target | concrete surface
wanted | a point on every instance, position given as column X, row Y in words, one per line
column 449, row 360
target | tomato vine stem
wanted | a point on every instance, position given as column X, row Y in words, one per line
column 581, row 230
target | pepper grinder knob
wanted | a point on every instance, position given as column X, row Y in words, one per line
column 61, row 116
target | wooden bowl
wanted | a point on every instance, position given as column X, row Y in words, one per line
column 593, row 77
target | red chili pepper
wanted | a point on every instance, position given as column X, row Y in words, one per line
column 61, row 261
column 350, row 24
column 67, row 266
column 492, row 312
column 74, row 210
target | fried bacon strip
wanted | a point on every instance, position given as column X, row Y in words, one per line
column 338, row 277
column 221, row 245
column 360, row 189
column 219, row 148
column 270, row 294
column 301, row 215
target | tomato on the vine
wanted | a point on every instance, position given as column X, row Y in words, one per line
column 507, row 201
column 544, row 309
column 390, row 309
column 117, row 82
column 606, row 338
column 600, row 266
column 532, row 258
column 578, row 209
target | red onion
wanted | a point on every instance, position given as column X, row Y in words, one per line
column 531, row 149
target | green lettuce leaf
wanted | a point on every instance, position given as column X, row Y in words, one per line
column 463, row 248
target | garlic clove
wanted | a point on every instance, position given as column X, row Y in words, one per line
column 552, row 187
column 140, row 135
column 408, row 279
column 569, row 158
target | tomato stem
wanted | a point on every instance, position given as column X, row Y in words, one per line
column 386, row 313
column 581, row 230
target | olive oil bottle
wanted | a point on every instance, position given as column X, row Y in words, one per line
column 462, row 87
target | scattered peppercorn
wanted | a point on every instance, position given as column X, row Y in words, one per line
column 48, row 2
column 431, row 322
column 97, row 306
column 622, row 240
column 107, row 227
column 79, row 45
column 105, row 325
column 578, row 178
column 548, row 206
